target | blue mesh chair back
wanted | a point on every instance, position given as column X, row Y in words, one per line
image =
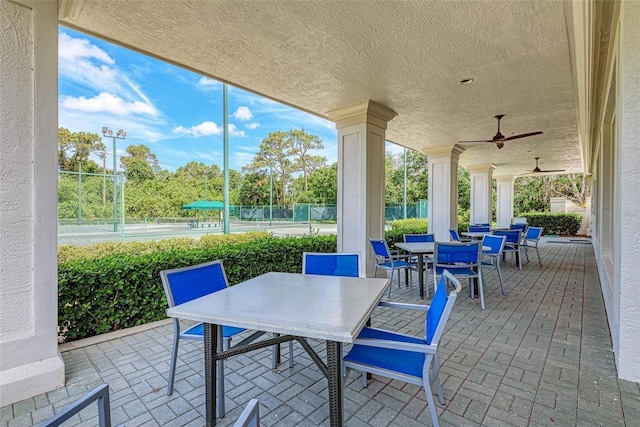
column 185, row 284
column 479, row 229
column 533, row 233
column 454, row 235
column 434, row 314
column 513, row 236
column 330, row 264
column 452, row 253
column 380, row 248
column 496, row 243
column 519, row 226
column 419, row 238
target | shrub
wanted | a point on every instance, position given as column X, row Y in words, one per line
column 111, row 291
column 554, row 223
column 400, row 227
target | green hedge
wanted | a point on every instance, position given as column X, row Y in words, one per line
column 121, row 290
column 555, row 223
column 400, row 227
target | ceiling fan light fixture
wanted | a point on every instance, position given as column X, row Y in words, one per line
column 466, row 81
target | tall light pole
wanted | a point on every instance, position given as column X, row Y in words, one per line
column 108, row 133
column 270, row 195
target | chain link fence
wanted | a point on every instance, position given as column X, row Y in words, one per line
column 91, row 210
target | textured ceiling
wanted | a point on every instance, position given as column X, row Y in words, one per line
column 319, row 55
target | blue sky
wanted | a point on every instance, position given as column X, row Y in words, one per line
column 173, row 111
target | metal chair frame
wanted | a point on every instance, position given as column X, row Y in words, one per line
column 389, row 262
column 531, row 240
column 496, row 243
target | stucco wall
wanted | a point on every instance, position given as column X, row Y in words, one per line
column 29, row 359
column 628, row 159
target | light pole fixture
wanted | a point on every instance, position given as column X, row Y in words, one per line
column 121, row 134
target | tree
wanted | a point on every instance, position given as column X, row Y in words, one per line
column 140, row 152
column 302, row 144
column 254, row 189
column 75, row 147
column 139, row 170
column 323, row 186
column 273, row 158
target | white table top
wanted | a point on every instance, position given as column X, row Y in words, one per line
column 475, row 234
column 424, row 247
column 322, row 307
column 416, row 247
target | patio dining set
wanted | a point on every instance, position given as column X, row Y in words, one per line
column 330, row 302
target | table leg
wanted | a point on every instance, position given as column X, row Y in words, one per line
column 421, row 274
column 210, row 348
column 334, row 363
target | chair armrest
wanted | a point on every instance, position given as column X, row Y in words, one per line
column 403, row 305
column 397, row 345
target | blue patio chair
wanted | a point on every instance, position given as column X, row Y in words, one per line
column 330, row 264
column 455, row 237
column 188, row 283
column 250, row 417
column 479, row 229
column 496, row 245
column 461, row 259
column 512, row 244
column 99, row 395
column 404, row 357
column 519, row 226
column 531, row 240
column 389, row 262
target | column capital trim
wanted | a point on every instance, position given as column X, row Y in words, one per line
column 453, row 151
column 481, row 168
column 505, row 178
column 69, row 10
column 362, row 112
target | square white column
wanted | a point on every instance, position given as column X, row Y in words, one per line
column 443, row 190
column 30, row 363
column 361, row 156
column 481, row 193
column 505, row 199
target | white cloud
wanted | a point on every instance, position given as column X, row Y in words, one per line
column 233, row 131
column 85, row 63
column 205, row 83
column 243, row 113
column 203, row 129
column 106, row 103
column 252, row 125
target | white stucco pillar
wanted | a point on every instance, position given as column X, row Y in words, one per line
column 30, row 363
column 443, row 190
column 628, row 158
column 505, row 199
column 361, row 156
column 481, row 196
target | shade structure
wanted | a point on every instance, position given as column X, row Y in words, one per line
column 205, row 205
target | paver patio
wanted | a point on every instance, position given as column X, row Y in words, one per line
column 540, row 356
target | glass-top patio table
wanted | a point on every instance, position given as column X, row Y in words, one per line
column 297, row 306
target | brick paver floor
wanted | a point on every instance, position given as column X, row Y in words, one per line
column 540, row 356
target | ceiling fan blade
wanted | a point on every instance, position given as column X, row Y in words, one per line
column 480, row 140
column 522, row 135
column 535, row 172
